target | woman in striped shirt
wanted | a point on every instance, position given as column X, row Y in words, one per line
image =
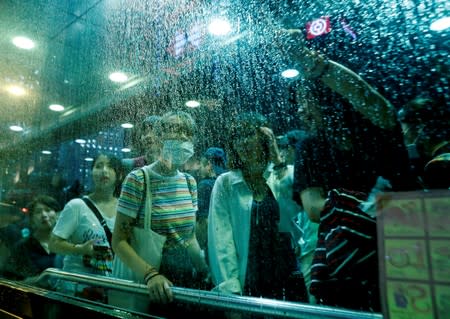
column 174, row 207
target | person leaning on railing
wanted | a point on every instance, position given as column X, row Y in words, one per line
column 173, row 214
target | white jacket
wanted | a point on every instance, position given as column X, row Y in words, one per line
column 229, row 227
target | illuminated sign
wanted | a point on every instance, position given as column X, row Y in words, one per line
column 414, row 254
column 318, row 27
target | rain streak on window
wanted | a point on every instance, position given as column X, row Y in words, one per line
column 302, row 110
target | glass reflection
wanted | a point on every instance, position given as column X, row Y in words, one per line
column 371, row 95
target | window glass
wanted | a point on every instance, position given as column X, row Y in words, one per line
column 355, row 93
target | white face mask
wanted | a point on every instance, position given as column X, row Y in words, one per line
column 177, row 152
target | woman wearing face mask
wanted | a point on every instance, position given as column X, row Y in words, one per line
column 174, row 206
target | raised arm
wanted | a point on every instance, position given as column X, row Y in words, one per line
column 364, row 98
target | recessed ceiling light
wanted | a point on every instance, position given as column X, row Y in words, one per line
column 127, row 125
column 56, row 107
column 118, row 77
column 192, row 103
column 23, row 43
column 289, row 73
column 80, row 141
column 16, row 128
column 219, row 27
column 126, row 150
column 46, row 152
column 441, row 24
column 89, row 159
column 16, row 90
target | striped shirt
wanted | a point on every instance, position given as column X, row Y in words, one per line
column 174, row 203
column 344, row 270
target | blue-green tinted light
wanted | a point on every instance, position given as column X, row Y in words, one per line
column 118, row 77
column 441, row 24
column 56, row 107
column 23, row 43
column 192, row 103
column 289, row 73
column 219, row 27
column 16, row 128
column 127, row 125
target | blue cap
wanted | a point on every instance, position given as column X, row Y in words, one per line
column 218, row 158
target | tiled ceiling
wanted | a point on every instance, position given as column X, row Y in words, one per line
column 63, row 68
column 78, row 44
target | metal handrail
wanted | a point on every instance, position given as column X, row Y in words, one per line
column 227, row 302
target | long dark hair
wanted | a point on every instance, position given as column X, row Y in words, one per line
column 245, row 124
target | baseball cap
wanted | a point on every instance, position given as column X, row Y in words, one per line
column 218, row 159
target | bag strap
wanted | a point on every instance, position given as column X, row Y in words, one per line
column 188, row 182
column 100, row 218
column 147, row 200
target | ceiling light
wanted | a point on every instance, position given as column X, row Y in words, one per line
column 219, row 27
column 441, row 24
column 80, row 141
column 16, row 90
column 46, row 152
column 23, row 43
column 118, row 77
column 56, row 107
column 127, row 125
column 192, row 103
column 16, row 128
column 289, row 73
column 126, row 150
column 89, row 159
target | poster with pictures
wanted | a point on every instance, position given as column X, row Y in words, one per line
column 414, row 254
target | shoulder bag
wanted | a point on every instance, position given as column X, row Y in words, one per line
column 147, row 243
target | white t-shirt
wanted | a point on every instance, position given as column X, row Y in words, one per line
column 78, row 224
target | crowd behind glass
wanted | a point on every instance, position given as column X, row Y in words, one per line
column 286, row 217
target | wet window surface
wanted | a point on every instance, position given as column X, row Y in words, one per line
column 336, row 100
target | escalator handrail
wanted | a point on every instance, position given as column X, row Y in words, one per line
column 208, row 298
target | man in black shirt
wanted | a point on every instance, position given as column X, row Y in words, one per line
column 355, row 139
